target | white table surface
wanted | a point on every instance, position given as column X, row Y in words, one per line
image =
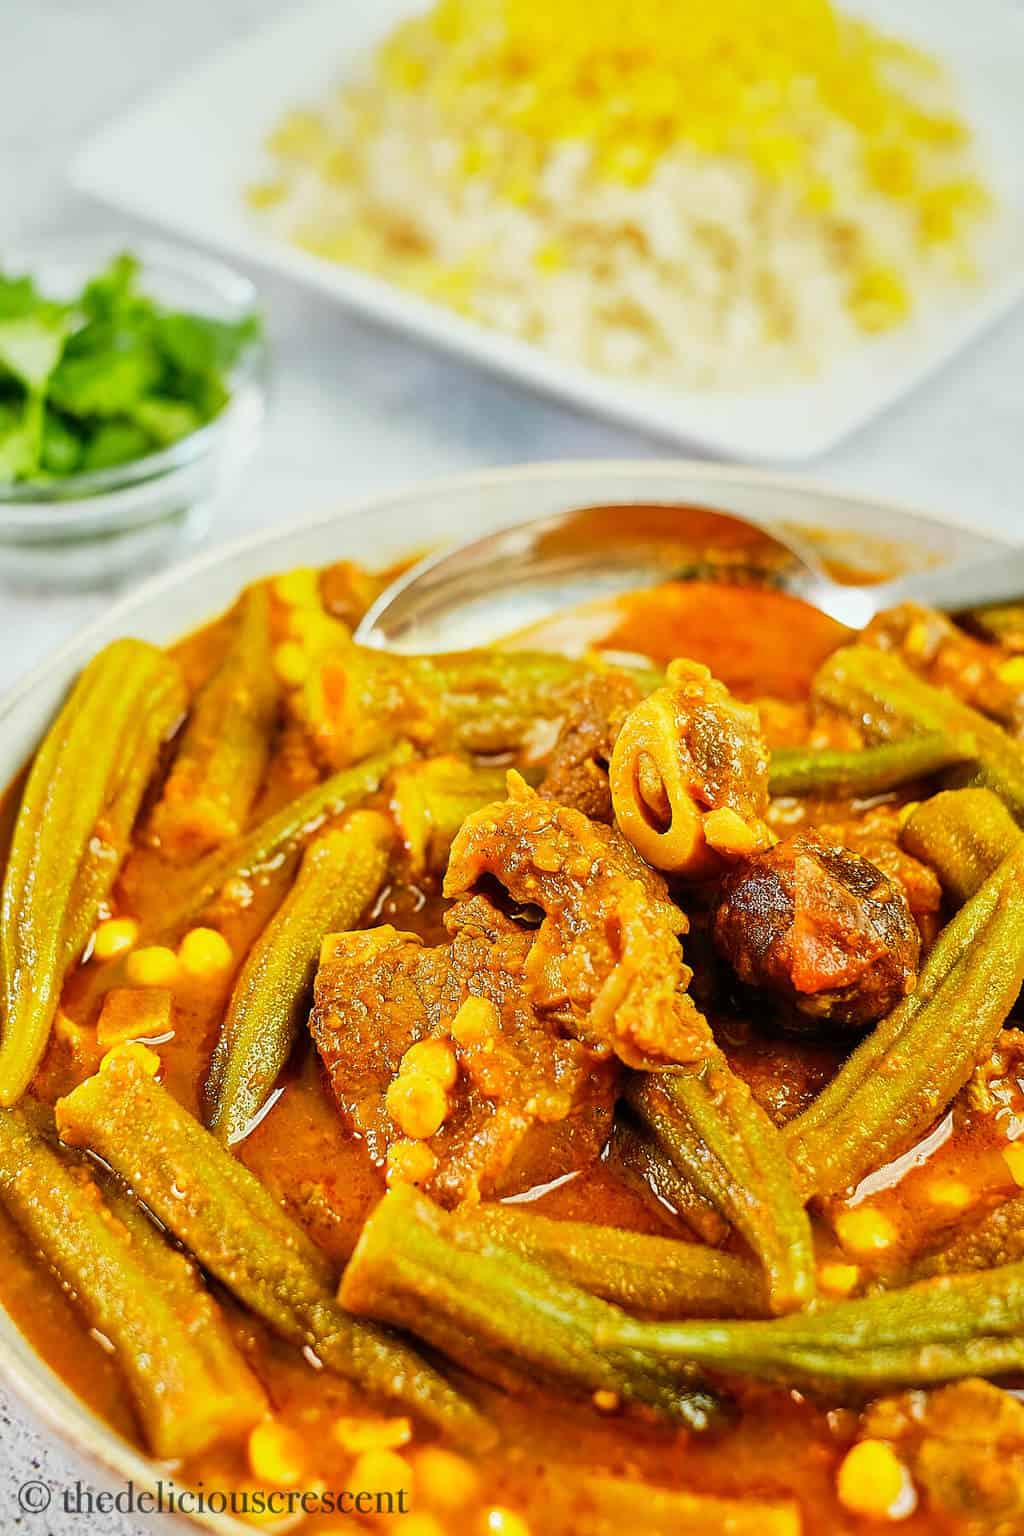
column 356, row 409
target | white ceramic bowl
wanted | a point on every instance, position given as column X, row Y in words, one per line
column 378, row 531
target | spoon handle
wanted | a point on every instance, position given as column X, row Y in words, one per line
column 995, row 579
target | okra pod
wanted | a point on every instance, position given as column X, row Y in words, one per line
column 964, row 834
column 893, row 1087
column 870, row 771
column 72, row 833
column 490, row 701
column 236, row 1229
column 340, row 875
column 706, row 1120
column 431, row 799
column 936, row 1330
column 449, row 1282
column 660, row 1275
column 890, row 701
column 634, row 1151
column 358, row 700
column 997, row 1239
column 188, row 1381
column 222, row 756
column 278, row 838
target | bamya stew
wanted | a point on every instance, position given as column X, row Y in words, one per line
column 533, row 1094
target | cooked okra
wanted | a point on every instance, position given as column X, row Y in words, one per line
column 236, row 1229
column 223, row 753
column 916, row 1060
column 964, row 834
column 661, row 1275
column 707, row 1122
column 73, row 830
column 936, row 1330
column 451, row 1283
column 189, row 1382
column 869, row 771
column 890, row 701
column 340, row 875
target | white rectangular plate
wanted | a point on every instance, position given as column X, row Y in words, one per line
column 183, row 158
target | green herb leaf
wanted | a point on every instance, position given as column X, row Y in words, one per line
column 19, row 442
column 62, row 448
column 116, row 442
column 108, row 294
column 31, row 345
column 108, row 380
column 167, row 420
column 198, row 345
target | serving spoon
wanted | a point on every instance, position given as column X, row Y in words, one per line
column 487, row 587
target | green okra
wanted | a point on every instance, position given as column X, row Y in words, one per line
column 188, row 1381
column 340, row 875
column 222, row 756
column 445, row 1279
column 869, row 771
column 660, row 1275
column 898, row 1081
column 936, row 1330
column 358, row 699
column 635, row 1153
column 73, row 830
column 890, row 702
column 431, row 799
column 236, row 1229
column 964, row 834
column 278, row 838
column 708, row 1123
column 997, row 1239
column 491, row 700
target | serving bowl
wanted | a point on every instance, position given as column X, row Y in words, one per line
column 99, row 528
column 378, row 531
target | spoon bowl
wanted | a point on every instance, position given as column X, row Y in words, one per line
column 484, row 588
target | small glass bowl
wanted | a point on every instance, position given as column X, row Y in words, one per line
column 100, row 529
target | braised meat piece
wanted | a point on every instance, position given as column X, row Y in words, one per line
column 689, row 776
column 605, row 963
column 875, row 835
column 439, row 1062
column 576, row 772
column 820, row 928
column 490, row 1064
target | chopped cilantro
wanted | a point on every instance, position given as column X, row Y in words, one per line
column 105, row 378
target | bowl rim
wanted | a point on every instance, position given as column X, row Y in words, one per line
column 84, row 497
column 550, row 472
column 75, row 1425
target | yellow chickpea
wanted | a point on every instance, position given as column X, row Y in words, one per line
column 417, row 1104
column 445, row 1480
column 276, row 1454
column 433, row 1057
column 115, row 937
column 205, row 954
column 155, row 966
column 874, row 1482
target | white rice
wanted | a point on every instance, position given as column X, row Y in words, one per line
column 708, row 276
